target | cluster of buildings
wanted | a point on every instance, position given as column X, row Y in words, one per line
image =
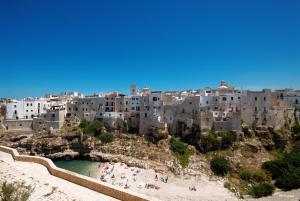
column 146, row 111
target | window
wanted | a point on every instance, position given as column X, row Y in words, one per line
column 26, row 110
column 15, row 112
column 15, row 106
column 239, row 98
column 20, row 124
column 232, row 98
column 224, row 99
column 255, row 98
column 27, row 104
column 206, row 102
column 26, row 117
column 145, row 115
column 31, row 104
column 190, row 103
column 53, row 115
column 296, row 102
column 264, row 98
column 155, row 99
column 32, row 116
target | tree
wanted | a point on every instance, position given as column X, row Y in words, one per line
column 227, row 139
column 106, row 137
column 178, row 146
column 262, row 189
column 220, row 165
column 285, row 171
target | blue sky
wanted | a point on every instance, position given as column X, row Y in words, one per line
column 90, row 46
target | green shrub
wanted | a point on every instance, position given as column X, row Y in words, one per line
column 183, row 159
column 91, row 127
column 181, row 151
column 212, row 138
column 106, row 137
column 253, row 176
column 285, row 171
column 289, row 180
column 220, row 165
column 228, row 138
column 296, row 131
column 178, row 146
column 16, row 191
column 262, row 189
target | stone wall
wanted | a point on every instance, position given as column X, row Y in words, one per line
column 23, row 125
column 81, row 180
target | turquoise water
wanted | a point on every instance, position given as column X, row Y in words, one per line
column 83, row 167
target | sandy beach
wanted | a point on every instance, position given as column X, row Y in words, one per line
column 163, row 186
column 47, row 187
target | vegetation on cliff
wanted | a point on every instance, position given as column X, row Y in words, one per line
column 106, row 137
column 285, row 171
column 15, row 191
column 181, row 151
column 220, row 165
column 91, row 127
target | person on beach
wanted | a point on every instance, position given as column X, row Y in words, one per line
column 156, row 177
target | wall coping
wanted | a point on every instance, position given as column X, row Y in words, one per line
column 85, row 181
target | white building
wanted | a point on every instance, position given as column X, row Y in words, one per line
column 26, row 108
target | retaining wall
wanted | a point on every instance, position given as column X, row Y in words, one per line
column 81, row 180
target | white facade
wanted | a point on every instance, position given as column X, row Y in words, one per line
column 132, row 103
column 206, row 97
column 26, row 109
